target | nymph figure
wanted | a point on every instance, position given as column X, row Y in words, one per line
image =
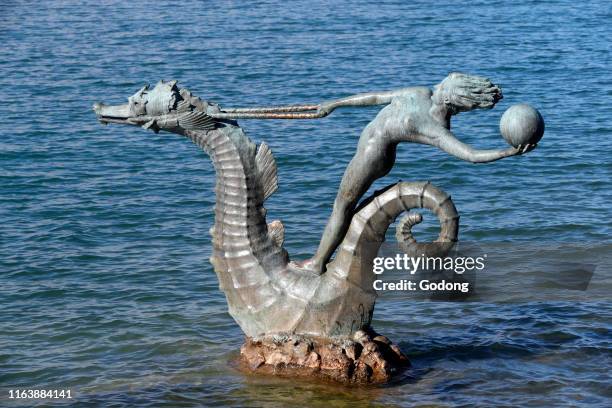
column 417, row 115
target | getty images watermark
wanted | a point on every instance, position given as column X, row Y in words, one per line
column 492, row 272
column 423, row 263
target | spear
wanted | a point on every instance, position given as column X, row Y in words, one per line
column 271, row 112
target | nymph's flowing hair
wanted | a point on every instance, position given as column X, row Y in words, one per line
column 462, row 92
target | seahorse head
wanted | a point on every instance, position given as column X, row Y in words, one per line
column 165, row 107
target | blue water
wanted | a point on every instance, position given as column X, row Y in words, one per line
column 106, row 288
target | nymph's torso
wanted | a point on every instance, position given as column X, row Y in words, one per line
column 404, row 119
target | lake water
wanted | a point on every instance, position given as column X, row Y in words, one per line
column 106, row 288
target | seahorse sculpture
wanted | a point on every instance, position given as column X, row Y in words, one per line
column 320, row 321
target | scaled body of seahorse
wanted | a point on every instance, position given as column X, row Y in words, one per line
column 266, row 293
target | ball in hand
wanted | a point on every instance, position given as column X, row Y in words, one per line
column 521, row 124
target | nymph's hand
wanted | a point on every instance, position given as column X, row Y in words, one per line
column 526, row 148
column 325, row 109
column 522, row 149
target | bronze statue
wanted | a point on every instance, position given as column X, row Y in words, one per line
column 315, row 316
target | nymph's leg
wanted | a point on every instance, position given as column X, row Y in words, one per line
column 361, row 172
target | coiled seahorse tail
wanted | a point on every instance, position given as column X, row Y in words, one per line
column 369, row 225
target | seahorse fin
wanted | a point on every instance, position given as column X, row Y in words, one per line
column 196, row 121
column 267, row 170
column 276, row 232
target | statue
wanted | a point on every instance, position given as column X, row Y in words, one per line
column 313, row 317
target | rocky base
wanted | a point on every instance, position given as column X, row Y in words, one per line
column 367, row 359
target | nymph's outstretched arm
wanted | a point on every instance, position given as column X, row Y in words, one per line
column 446, row 140
column 362, row 99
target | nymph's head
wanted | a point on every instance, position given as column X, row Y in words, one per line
column 461, row 93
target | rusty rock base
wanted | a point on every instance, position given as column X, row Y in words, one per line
column 367, row 359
